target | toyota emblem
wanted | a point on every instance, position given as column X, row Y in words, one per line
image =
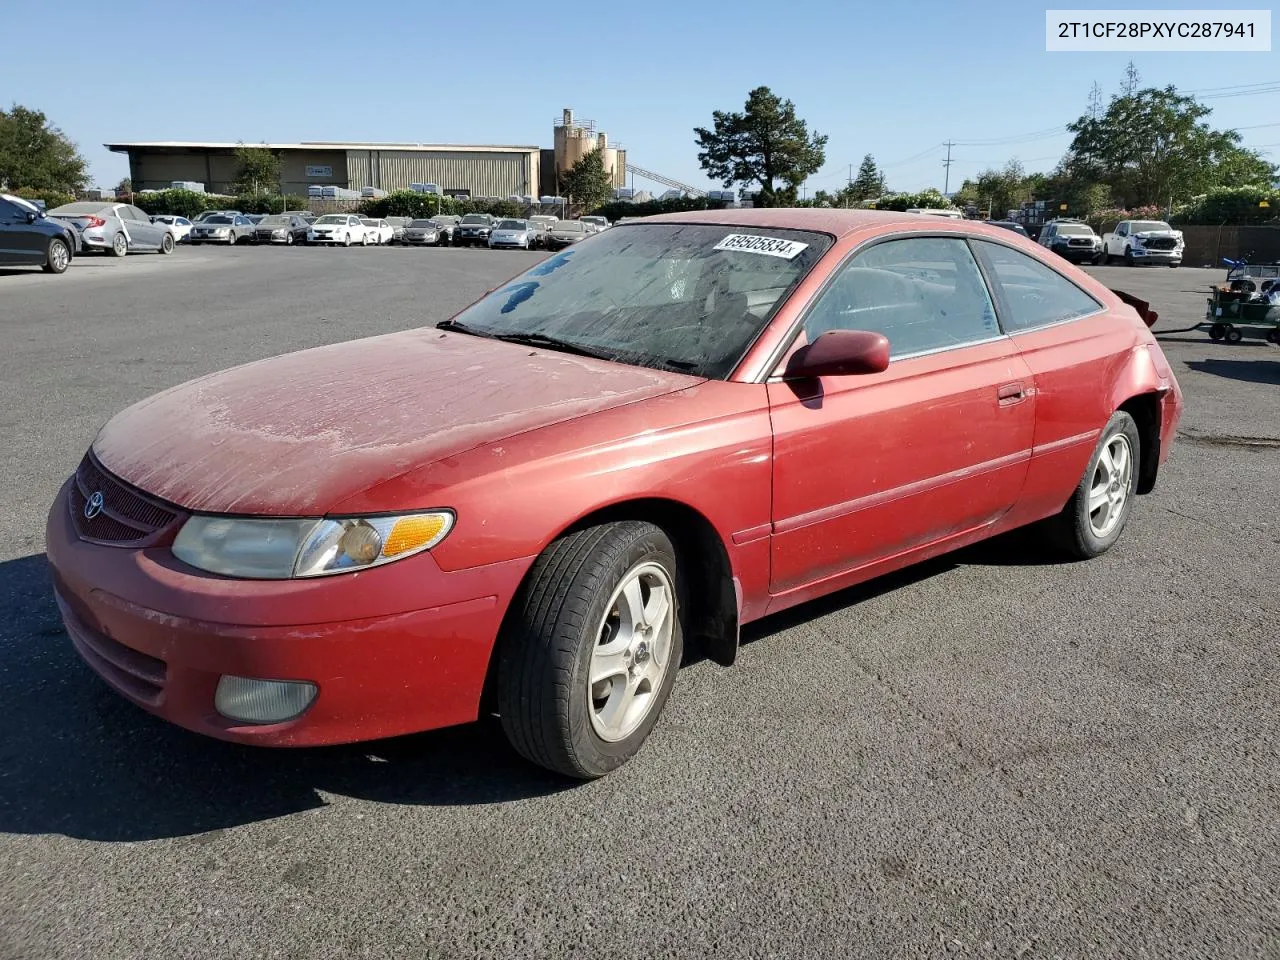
column 93, row 506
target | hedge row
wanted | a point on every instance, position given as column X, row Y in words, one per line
column 51, row 198
column 188, row 203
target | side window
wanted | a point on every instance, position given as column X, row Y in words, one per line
column 1033, row 294
column 1122, row 230
column 10, row 211
column 923, row 293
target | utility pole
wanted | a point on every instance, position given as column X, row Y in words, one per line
column 849, row 189
column 946, row 185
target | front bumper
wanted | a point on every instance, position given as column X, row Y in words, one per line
column 1142, row 253
column 396, row 650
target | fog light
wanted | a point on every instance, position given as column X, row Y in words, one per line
column 262, row 701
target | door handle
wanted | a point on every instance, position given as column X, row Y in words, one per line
column 1011, row 393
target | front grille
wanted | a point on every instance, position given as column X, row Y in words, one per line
column 1160, row 243
column 135, row 674
column 1080, row 242
column 127, row 517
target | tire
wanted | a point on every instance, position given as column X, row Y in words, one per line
column 1076, row 531
column 1273, row 336
column 119, row 245
column 1174, row 265
column 288, row 239
column 571, row 600
column 1234, row 334
column 232, row 240
column 1128, row 256
column 57, row 257
column 346, row 239
column 1217, row 331
column 166, row 245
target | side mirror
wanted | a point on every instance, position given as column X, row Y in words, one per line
column 32, row 216
column 839, row 353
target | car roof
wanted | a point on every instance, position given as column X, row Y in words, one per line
column 839, row 223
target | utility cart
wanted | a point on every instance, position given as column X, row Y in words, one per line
column 1244, row 299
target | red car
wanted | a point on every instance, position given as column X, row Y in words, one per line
column 670, row 429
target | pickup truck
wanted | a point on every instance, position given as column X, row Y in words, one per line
column 1143, row 241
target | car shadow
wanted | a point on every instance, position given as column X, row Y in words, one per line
column 1250, row 371
column 77, row 759
column 1023, row 547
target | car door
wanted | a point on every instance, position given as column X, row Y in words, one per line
column 1120, row 237
column 1074, row 350
column 873, row 466
column 151, row 234
column 1046, row 235
column 20, row 243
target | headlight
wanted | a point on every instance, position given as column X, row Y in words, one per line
column 271, row 549
column 278, row 233
column 221, row 232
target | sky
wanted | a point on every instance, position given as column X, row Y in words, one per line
column 894, row 79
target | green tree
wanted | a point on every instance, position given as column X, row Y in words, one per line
column 258, row 170
column 37, row 155
column 587, row 181
column 869, row 183
column 765, row 144
column 124, row 187
column 1239, row 167
column 1151, row 147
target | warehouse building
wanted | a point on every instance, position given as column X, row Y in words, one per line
column 494, row 171
column 477, row 171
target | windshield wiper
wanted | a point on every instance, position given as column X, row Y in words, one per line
column 458, row 327
column 552, row 343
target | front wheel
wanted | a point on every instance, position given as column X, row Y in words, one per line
column 1094, row 517
column 58, row 256
column 589, row 657
column 1234, row 335
column 346, row 239
column 288, row 239
column 1128, row 256
column 1217, row 331
column 166, row 245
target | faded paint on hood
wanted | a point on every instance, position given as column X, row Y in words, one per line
column 295, row 434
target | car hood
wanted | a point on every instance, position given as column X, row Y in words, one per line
column 1150, row 234
column 296, row 434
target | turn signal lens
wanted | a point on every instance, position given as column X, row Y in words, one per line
column 412, row 533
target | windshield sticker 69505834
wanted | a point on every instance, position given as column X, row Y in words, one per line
column 769, row 246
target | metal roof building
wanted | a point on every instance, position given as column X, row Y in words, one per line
column 492, row 171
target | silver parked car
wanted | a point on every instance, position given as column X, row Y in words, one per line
column 423, row 233
column 513, row 233
column 115, row 228
column 222, row 229
column 398, row 227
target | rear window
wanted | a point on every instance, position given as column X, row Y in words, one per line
column 1033, row 294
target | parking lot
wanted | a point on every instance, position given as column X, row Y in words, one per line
column 988, row 755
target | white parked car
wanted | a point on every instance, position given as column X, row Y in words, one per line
column 599, row 223
column 379, row 231
column 339, row 228
column 180, row 227
column 1143, row 241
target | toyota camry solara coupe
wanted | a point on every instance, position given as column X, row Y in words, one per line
column 672, row 428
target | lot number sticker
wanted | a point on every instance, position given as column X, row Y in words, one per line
column 769, row 246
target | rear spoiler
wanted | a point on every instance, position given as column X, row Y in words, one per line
column 1148, row 316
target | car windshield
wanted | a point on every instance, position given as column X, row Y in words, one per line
column 1075, row 230
column 686, row 297
column 511, row 225
column 217, row 220
column 274, row 221
column 569, row 226
column 1147, row 226
column 368, row 223
column 332, row 218
column 423, row 225
column 475, row 218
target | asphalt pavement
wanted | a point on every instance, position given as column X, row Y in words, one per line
column 989, row 755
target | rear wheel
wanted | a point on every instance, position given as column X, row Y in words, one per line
column 119, row 245
column 591, row 653
column 57, row 257
column 1217, row 331
column 166, row 244
column 1094, row 517
column 1234, row 335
